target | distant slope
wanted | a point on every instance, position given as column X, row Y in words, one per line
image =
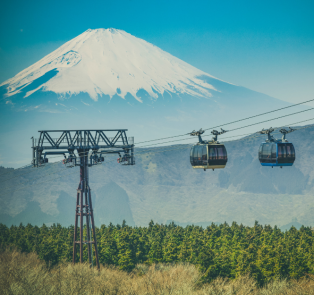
column 294, row 223
column 164, row 187
column 112, row 205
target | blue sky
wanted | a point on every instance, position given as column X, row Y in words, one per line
column 267, row 46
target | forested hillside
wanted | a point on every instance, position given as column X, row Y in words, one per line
column 264, row 252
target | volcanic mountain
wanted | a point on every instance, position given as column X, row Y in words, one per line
column 111, row 62
column 108, row 79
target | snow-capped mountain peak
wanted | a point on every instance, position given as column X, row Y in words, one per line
column 108, row 62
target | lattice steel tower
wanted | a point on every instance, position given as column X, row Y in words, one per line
column 85, row 148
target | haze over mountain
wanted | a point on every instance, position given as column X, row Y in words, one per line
column 163, row 186
column 108, row 79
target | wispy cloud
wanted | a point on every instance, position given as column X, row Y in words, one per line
column 180, row 117
column 85, row 103
column 10, row 102
column 60, row 104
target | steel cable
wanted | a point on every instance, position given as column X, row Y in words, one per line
column 169, row 149
column 187, row 139
column 240, row 120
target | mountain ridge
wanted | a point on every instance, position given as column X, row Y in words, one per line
column 163, row 186
column 106, row 60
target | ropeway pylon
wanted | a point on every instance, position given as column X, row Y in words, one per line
column 90, row 147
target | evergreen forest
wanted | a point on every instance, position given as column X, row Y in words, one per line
column 263, row 252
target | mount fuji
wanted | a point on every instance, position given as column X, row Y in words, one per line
column 110, row 62
column 108, row 79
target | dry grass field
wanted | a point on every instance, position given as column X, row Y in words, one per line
column 26, row 274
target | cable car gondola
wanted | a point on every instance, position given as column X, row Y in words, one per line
column 208, row 154
column 276, row 152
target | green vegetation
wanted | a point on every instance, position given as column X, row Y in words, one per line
column 218, row 251
column 22, row 273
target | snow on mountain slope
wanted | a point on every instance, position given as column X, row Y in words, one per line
column 110, row 61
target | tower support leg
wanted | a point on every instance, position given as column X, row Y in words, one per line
column 75, row 225
column 83, row 209
column 93, row 228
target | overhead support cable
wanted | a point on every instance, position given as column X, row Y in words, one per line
column 237, row 127
column 189, row 138
column 240, row 120
column 153, row 151
column 209, row 128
